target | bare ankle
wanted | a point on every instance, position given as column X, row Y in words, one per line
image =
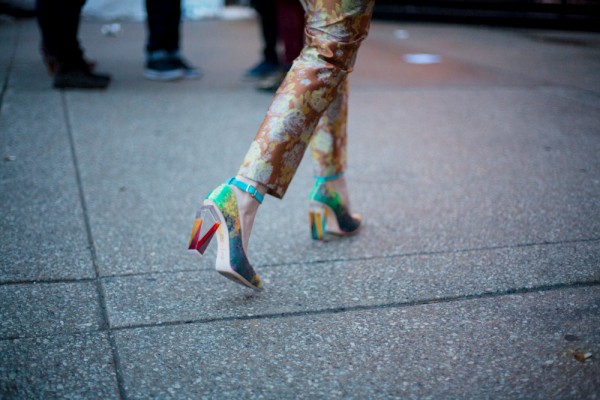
column 339, row 185
column 247, row 207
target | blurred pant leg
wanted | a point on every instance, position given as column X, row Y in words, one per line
column 58, row 21
column 268, row 22
column 164, row 17
column 290, row 24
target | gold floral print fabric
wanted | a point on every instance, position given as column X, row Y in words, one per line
column 311, row 103
column 328, row 144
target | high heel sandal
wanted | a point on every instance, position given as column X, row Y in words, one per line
column 328, row 213
column 219, row 214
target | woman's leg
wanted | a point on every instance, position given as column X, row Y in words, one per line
column 335, row 29
column 328, row 152
column 328, row 145
column 334, row 32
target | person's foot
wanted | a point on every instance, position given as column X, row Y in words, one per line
column 80, row 78
column 228, row 213
column 339, row 186
column 169, row 66
column 247, row 207
column 189, row 71
column 52, row 63
column 330, row 210
column 262, row 69
column 163, row 70
column 271, row 83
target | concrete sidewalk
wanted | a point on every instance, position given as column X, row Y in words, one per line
column 477, row 274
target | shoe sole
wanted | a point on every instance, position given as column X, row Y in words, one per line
column 164, row 75
column 192, row 75
column 80, row 85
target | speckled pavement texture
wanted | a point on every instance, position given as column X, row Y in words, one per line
column 476, row 275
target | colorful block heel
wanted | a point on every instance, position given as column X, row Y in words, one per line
column 202, row 233
column 328, row 213
column 219, row 215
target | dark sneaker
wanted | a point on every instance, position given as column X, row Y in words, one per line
column 164, row 69
column 189, row 72
column 262, row 69
column 80, row 79
column 52, row 63
column 272, row 82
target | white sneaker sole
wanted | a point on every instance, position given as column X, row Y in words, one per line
column 164, row 75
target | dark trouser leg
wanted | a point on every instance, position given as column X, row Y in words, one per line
column 59, row 25
column 290, row 22
column 268, row 22
column 164, row 17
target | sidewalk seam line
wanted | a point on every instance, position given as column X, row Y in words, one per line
column 316, row 262
column 439, row 252
column 105, row 322
column 6, row 82
column 335, row 310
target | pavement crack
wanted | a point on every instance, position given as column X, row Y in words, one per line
column 105, row 319
column 315, row 262
column 437, row 252
column 303, row 313
column 83, row 203
column 5, row 84
column 369, row 307
column 46, row 281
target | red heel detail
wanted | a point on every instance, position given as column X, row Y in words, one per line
column 199, row 239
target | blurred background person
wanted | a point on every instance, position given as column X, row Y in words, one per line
column 267, row 15
column 58, row 21
column 164, row 61
column 290, row 29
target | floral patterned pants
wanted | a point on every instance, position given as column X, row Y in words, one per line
column 311, row 105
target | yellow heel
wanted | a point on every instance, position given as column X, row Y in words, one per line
column 328, row 213
column 318, row 221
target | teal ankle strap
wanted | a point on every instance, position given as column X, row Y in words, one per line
column 321, row 179
column 251, row 190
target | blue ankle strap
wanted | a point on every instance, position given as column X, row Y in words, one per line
column 251, row 190
column 321, row 179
